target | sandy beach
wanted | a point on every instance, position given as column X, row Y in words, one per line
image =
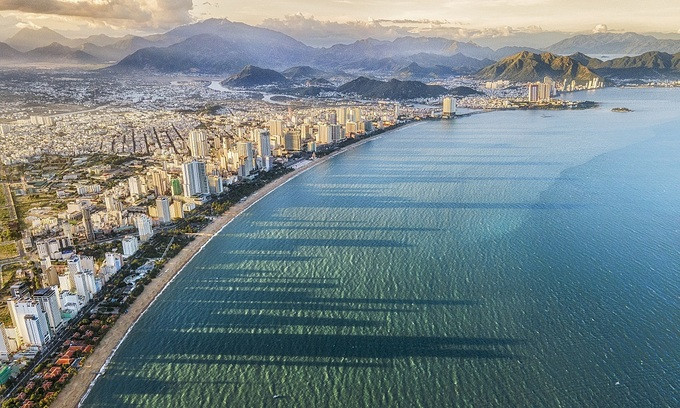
column 79, row 385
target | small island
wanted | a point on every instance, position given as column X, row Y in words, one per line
column 621, row 110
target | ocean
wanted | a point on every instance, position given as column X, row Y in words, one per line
column 515, row 258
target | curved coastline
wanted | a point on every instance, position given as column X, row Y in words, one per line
column 78, row 389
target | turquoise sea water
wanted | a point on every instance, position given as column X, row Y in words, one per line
column 504, row 259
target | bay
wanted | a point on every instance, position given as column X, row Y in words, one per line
column 502, row 259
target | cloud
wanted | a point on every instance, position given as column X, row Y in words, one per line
column 26, row 24
column 325, row 33
column 600, row 28
column 127, row 12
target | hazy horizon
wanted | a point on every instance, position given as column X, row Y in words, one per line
column 492, row 23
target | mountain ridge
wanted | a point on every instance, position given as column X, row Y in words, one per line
column 528, row 67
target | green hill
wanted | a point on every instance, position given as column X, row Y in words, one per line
column 528, row 67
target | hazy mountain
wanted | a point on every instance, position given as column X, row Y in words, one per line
column 56, row 52
column 415, row 71
column 614, row 43
column 249, row 45
column 371, row 49
column 29, row 38
column 117, row 50
column 528, row 66
column 394, row 89
column 8, row 53
column 252, row 76
column 218, row 46
column 305, row 72
column 458, row 62
column 100, row 40
column 277, row 47
column 648, row 65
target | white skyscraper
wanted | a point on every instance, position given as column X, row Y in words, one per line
column 114, row 260
column 195, row 178
column 86, row 286
column 144, row 226
column 30, row 321
column 135, row 186
column 198, row 143
column 65, row 282
column 163, row 209
column 47, row 298
column 130, row 245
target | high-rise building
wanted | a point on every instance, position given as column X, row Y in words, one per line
column 65, row 282
column 341, row 115
column 176, row 210
column 330, row 133
column 276, row 127
column 292, row 141
column 114, row 260
column 160, row 183
column 448, row 107
column 86, row 287
column 198, row 143
column 130, row 245
column 541, row 91
column 7, row 346
column 47, row 298
column 144, row 227
column 112, row 204
column 163, row 209
column 87, row 224
column 264, row 147
column 533, row 91
column 355, row 115
column 136, row 186
column 216, row 184
column 30, row 321
column 245, row 154
column 195, row 178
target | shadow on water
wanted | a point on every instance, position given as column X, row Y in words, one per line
column 334, row 346
column 383, row 203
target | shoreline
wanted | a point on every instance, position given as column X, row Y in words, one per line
column 77, row 390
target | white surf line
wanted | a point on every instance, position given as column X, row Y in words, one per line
column 301, row 171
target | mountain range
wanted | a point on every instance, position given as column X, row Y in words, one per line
column 614, row 44
column 528, row 66
column 650, row 65
column 54, row 53
column 219, row 46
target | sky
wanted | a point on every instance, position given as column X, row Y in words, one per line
column 324, row 20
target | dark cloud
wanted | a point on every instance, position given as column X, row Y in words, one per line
column 151, row 12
